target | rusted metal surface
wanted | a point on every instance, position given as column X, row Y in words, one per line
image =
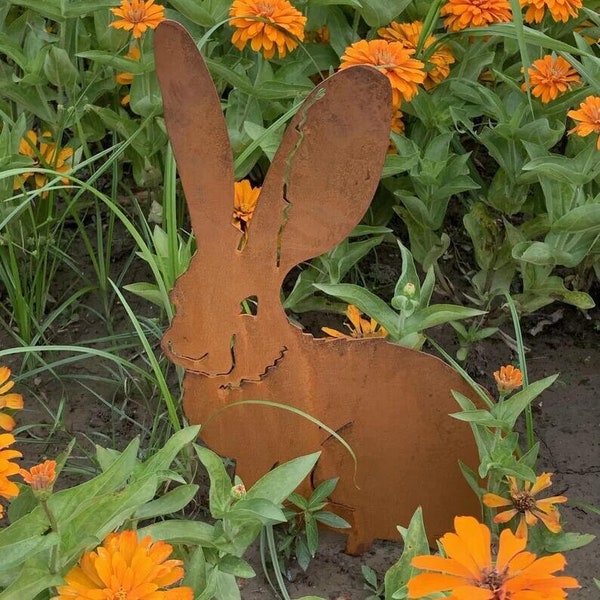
column 391, row 404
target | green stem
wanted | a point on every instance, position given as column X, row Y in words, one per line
column 55, row 551
column 523, row 368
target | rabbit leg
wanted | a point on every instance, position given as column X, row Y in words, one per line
column 357, row 542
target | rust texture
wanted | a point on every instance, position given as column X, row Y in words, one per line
column 390, row 404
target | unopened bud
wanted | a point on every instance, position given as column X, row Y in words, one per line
column 238, row 491
column 409, row 289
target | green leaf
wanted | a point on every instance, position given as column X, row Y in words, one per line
column 59, row 69
column 370, row 575
column 162, row 459
column 66, row 504
column 279, row 483
column 368, row 303
column 381, row 12
column 568, row 541
column 100, row 515
column 147, row 291
column 354, row 3
column 581, row 219
column 120, row 63
column 30, row 582
column 478, row 417
column 24, row 539
column 260, row 509
column 236, row 566
column 220, row 484
column 168, row 503
column 509, row 410
column 415, row 544
column 194, row 11
column 323, row 491
column 146, row 98
column 332, row 520
column 312, row 534
column 195, row 533
column 438, row 314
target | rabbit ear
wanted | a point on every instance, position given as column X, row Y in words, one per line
column 327, row 168
column 197, row 130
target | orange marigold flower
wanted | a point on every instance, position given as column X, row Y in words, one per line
column 469, row 571
column 8, row 489
column 359, row 327
column 438, row 64
column 551, row 76
column 393, row 60
column 12, row 400
column 560, row 10
column 244, row 203
column 461, row 14
column 523, row 502
column 589, row 116
column 123, row 567
column 138, row 15
column 40, row 477
column 46, row 155
column 268, row 25
column 508, row 378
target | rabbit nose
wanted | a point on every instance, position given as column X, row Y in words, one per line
column 218, row 360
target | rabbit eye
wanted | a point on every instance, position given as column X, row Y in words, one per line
column 249, row 306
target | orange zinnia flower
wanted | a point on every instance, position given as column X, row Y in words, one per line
column 524, row 503
column 123, row 567
column 560, row 10
column 45, row 155
column 8, row 489
column 508, row 378
column 244, row 203
column 551, row 76
column 397, row 122
column 12, row 400
column 589, row 117
column 321, row 35
column 393, row 60
column 127, row 78
column 408, row 34
column 461, row 14
column 268, row 25
column 359, row 327
column 138, row 15
column 470, row 572
column 40, row 477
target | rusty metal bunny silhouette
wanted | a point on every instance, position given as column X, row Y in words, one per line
column 391, row 404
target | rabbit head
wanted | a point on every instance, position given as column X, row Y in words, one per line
column 317, row 189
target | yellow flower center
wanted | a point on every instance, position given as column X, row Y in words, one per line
column 136, row 15
column 121, row 594
column 265, row 9
column 523, row 501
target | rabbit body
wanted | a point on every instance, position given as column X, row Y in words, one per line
column 389, row 403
